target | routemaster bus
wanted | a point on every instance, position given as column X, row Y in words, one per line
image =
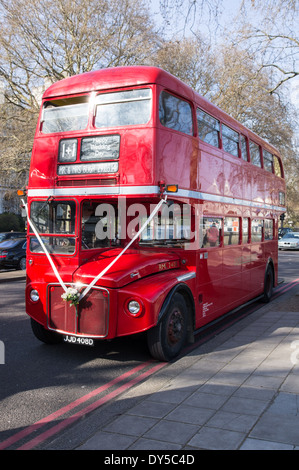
column 149, row 210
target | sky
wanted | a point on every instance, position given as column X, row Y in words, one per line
column 232, row 7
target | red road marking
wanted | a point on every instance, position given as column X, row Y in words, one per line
column 284, row 288
column 30, row 429
column 68, row 421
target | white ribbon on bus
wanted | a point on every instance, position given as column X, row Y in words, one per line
column 95, row 280
column 44, row 248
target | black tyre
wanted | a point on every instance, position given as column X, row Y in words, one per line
column 268, row 284
column 46, row 336
column 22, row 264
column 167, row 338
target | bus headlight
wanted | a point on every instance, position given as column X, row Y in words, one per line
column 134, row 307
column 34, row 295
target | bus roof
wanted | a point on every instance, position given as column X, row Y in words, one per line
column 118, row 77
column 115, row 77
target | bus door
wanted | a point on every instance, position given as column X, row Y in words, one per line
column 210, row 266
column 257, row 271
column 246, row 256
column 232, row 261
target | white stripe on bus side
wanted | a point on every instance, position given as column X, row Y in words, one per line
column 145, row 190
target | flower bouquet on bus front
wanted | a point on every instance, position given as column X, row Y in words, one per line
column 71, row 295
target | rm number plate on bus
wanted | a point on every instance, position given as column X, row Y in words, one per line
column 78, row 340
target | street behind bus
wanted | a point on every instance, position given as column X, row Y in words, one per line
column 40, row 381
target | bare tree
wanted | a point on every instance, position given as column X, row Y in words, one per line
column 271, row 34
column 187, row 15
column 231, row 79
column 189, row 59
column 52, row 39
column 244, row 91
column 268, row 29
column 45, row 41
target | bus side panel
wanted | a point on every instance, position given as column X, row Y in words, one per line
column 176, row 154
column 151, row 292
column 246, row 182
column 257, row 271
column 232, row 287
column 136, row 157
column 233, row 177
column 211, row 172
column 37, row 310
column 209, row 278
column 42, row 172
column 246, row 270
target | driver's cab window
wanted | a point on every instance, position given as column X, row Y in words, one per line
column 99, row 225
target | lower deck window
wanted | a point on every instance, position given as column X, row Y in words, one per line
column 171, row 226
column 245, row 230
column 210, row 232
column 231, row 235
column 268, row 229
column 257, row 230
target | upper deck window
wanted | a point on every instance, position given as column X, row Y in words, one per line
column 208, row 128
column 268, row 161
column 65, row 115
column 277, row 166
column 255, row 155
column 124, row 108
column 230, row 140
column 175, row 113
column 244, row 152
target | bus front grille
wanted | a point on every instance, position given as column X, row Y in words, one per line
column 89, row 318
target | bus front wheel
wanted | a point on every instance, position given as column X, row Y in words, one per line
column 167, row 338
column 46, row 336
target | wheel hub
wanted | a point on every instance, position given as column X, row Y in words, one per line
column 175, row 327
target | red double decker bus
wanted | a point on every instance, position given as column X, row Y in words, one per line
column 149, row 209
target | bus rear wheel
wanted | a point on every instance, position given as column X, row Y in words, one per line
column 45, row 336
column 167, row 338
column 268, row 284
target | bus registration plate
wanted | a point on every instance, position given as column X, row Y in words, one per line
column 78, row 340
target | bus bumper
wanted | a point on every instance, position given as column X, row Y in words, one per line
column 104, row 313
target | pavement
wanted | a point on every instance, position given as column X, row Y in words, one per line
column 237, row 391
column 10, row 275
